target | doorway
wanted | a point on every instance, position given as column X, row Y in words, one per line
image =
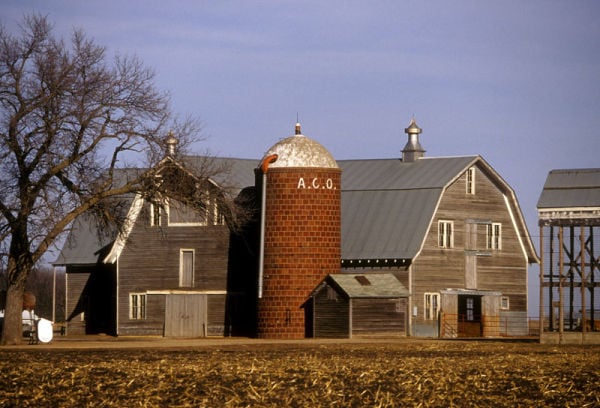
column 469, row 316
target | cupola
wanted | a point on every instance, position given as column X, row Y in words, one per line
column 413, row 149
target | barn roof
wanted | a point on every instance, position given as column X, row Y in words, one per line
column 387, row 205
column 375, row 285
column 570, row 188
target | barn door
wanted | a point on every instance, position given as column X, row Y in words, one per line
column 185, row 315
column 469, row 316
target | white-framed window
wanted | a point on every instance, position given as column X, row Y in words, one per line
column 494, row 236
column 137, row 306
column 155, row 215
column 186, row 268
column 432, row 306
column 446, row 234
column 470, row 309
column 504, row 303
column 470, row 187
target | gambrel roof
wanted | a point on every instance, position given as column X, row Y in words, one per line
column 388, row 205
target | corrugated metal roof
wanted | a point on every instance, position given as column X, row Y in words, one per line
column 376, row 285
column 570, row 188
column 393, row 174
column 386, row 224
column 84, row 242
column 387, row 204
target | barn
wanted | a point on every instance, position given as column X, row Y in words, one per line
column 352, row 305
column 449, row 230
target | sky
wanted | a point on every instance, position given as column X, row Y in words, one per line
column 517, row 82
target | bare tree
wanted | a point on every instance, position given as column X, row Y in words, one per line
column 68, row 121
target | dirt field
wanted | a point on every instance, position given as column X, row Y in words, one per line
column 377, row 373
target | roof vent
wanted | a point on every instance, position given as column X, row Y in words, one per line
column 363, row 280
column 412, row 150
column 171, row 143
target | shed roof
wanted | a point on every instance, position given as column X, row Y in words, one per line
column 375, row 285
column 569, row 188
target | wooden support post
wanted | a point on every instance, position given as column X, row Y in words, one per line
column 561, row 324
column 582, row 244
column 541, row 305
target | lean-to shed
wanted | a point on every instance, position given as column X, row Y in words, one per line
column 349, row 305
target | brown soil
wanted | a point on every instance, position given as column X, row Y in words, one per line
column 246, row 372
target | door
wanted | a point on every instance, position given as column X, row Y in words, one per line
column 469, row 316
column 185, row 315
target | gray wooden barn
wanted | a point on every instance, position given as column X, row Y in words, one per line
column 350, row 305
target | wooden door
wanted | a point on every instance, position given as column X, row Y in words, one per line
column 469, row 316
column 185, row 315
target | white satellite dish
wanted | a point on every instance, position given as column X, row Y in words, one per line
column 44, row 330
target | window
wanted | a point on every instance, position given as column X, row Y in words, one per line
column 470, row 309
column 154, row 215
column 183, row 215
column 186, row 268
column 445, row 234
column 432, row 305
column 494, row 236
column 471, row 181
column 504, row 303
column 137, row 306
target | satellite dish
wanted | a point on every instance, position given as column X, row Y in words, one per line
column 44, row 330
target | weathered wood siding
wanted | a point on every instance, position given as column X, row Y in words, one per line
column 150, row 261
column 331, row 315
column 372, row 316
column 502, row 270
column 215, row 315
column 76, row 281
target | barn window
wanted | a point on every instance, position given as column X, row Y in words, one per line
column 494, row 236
column 137, row 306
column 471, row 181
column 504, row 303
column 470, row 309
column 186, row 268
column 154, row 215
column 445, row 234
column 432, row 305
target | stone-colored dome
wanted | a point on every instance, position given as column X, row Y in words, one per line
column 301, row 151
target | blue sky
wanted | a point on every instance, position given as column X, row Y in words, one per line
column 517, row 82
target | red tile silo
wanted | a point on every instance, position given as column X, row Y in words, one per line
column 302, row 230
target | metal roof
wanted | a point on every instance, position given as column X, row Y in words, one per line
column 393, row 174
column 387, row 205
column 569, row 188
column 375, row 285
column 84, row 242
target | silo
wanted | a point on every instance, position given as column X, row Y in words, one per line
column 301, row 223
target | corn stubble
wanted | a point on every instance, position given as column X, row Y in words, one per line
column 395, row 373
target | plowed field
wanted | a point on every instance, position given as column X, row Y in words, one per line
column 304, row 374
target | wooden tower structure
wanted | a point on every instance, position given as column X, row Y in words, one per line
column 569, row 221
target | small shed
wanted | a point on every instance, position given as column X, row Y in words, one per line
column 350, row 305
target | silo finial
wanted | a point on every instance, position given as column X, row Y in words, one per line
column 298, row 129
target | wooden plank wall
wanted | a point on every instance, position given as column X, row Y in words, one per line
column 375, row 316
column 150, row 261
column 331, row 316
column 75, row 283
column 437, row 268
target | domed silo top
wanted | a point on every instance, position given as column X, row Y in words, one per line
column 301, row 151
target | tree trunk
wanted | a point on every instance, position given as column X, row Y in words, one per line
column 12, row 331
